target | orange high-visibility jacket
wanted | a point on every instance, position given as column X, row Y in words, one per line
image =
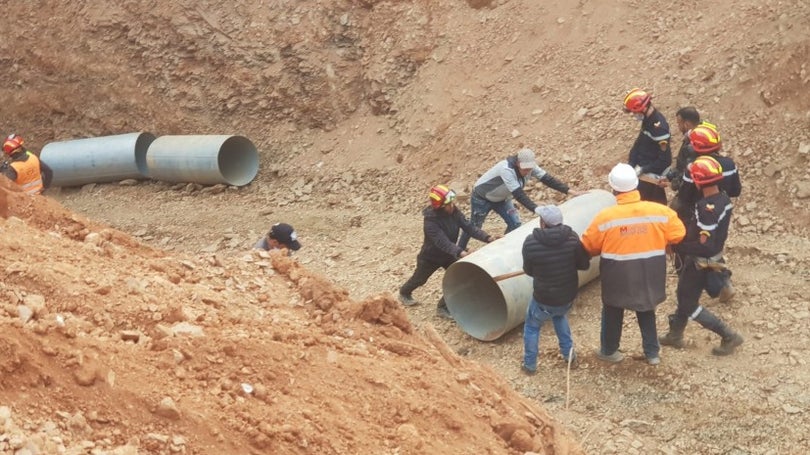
column 29, row 175
column 632, row 238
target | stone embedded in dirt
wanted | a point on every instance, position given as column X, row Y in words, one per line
column 166, row 408
column 185, row 328
column 25, row 313
column 803, row 190
column 128, row 182
column 130, row 335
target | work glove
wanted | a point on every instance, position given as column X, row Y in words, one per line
column 638, row 170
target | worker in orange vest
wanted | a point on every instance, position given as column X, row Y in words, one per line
column 24, row 168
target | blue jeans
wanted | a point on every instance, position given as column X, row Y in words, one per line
column 480, row 208
column 612, row 320
column 536, row 315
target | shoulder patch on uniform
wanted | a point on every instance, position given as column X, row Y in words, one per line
column 710, row 207
column 657, row 124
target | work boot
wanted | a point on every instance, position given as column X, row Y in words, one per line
column 407, row 299
column 729, row 338
column 442, row 311
column 674, row 337
column 728, row 344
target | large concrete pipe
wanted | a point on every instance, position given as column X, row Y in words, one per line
column 97, row 159
column 203, row 159
column 486, row 306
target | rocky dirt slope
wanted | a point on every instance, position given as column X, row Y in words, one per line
column 359, row 106
column 112, row 347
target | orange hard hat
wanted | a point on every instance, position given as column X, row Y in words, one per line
column 441, row 195
column 637, row 101
column 12, row 143
column 705, row 170
column 705, row 138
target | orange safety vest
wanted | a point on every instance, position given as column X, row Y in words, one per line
column 29, row 176
column 631, row 238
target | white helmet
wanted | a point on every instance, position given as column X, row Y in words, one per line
column 623, row 178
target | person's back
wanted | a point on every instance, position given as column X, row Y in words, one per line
column 25, row 169
column 632, row 238
column 552, row 255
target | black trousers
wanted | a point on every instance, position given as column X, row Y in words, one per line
column 612, row 319
column 652, row 192
column 424, row 270
column 691, row 283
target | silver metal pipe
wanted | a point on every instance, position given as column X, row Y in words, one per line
column 486, row 308
column 97, row 159
column 203, row 159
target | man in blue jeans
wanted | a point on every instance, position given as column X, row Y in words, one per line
column 552, row 254
column 503, row 182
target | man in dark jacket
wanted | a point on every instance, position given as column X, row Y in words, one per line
column 552, row 254
column 651, row 153
column 703, row 259
column 442, row 222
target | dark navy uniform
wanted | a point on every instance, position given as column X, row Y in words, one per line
column 689, row 194
column 651, row 152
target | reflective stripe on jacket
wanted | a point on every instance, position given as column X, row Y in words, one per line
column 28, row 174
column 632, row 237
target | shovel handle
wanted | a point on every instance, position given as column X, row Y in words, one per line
column 506, row 276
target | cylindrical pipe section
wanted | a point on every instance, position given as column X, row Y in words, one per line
column 485, row 308
column 207, row 160
column 97, row 159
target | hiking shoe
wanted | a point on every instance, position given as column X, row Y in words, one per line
column 654, row 360
column 407, row 300
column 728, row 345
column 527, row 371
column 727, row 293
column 443, row 312
column 616, row 357
column 574, row 363
column 671, row 339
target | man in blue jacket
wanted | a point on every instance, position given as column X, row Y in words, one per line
column 442, row 223
column 552, row 254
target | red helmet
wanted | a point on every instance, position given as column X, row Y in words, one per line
column 12, row 143
column 637, row 101
column 705, row 170
column 705, row 138
column 441, row 195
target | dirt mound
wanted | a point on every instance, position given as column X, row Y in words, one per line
column 123, row 348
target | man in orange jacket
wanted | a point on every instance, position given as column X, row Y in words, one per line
column 632, row 238
column 25, row 169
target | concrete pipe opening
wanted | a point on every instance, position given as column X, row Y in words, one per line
column 208, row 160
column 97, row 159
column 486, row 292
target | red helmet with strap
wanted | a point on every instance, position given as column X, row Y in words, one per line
column 12, row 143
column 705, row 138
column 705, row 171
column 441, row 195
column 637, row 101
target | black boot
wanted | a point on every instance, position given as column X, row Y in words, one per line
column 674, row 337
column 729, row 338
column 442, row 311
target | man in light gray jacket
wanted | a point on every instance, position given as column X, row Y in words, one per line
column 498, row 186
